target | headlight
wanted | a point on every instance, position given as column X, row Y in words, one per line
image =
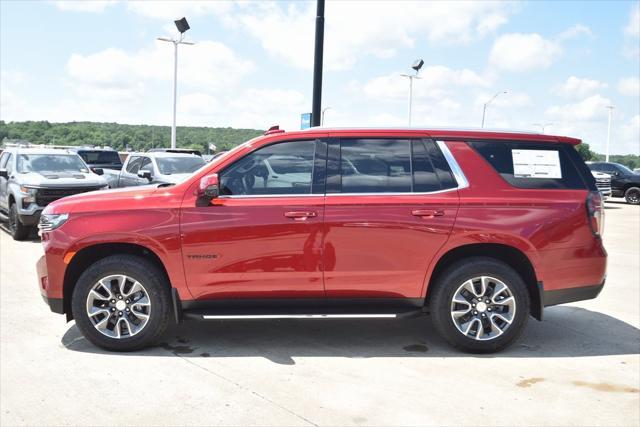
column 29, row 194
column 49, row 222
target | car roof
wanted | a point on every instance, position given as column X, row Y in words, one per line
column 157, row 154
column 436, row 133
column 49, row 151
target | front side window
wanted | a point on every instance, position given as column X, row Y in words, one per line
column 278, row 169
column 175, row 165
column 8, row 165
column 3, row 160
column 50, row 163
column 375, row 166
column 134, row 164
column 146, row 165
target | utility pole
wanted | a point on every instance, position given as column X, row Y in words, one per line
column 416, row 66
column 610, row 108
column 317, row 65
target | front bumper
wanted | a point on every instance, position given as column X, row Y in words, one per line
column 55, row 304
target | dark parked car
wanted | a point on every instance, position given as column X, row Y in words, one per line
column 99, row 158
column 624, row 182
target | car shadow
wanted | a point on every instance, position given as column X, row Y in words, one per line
column 565, row 332
column 32, row 238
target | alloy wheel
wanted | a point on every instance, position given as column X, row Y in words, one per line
column 483, row 308
column 118, row 306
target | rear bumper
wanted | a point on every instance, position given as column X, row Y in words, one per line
column 563, row 296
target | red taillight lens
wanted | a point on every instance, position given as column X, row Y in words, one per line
column 595, row 212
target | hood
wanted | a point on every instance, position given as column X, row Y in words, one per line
column 61, row 179
column 130, row 198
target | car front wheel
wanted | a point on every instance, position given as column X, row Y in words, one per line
column 480, row 305
column 18, row 230
column 122, row 303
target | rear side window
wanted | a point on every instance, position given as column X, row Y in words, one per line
column 533, row 165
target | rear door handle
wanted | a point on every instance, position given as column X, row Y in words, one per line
column 427, row 213
column 300, row 215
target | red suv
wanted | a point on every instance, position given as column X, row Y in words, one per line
column 479, row 229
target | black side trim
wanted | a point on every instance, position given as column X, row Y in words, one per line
column 563, row 296
column 177, row 305
column 355, row 304
column 537, row 302
column 55, row 304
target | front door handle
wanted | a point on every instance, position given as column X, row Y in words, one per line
column 300, row 215
column 427, row 213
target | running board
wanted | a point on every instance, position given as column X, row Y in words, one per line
column 296, row 316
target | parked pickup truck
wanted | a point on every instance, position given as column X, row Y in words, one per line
column 99, row 158
column 153, row 168
column 31, row 178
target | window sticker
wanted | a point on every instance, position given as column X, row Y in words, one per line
column 536, row 164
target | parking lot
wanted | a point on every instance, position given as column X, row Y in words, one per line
column 581, row 365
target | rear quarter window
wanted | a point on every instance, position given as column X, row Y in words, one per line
column 502, row 155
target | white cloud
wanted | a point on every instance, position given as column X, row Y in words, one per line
column 380, row 29
column 435, row 81
column 576, row 87
column 171, row 10
column 589, row 108
column 574, row 32
column 629, row 141
column 84, row 5
column 629, row 86
column 507, row 100
column 523, row 52
column 633, row 26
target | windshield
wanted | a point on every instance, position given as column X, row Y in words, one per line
column 624, row 169
column 171, row 165
column 51, row 163
column 100, row 157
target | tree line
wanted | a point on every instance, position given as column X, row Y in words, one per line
column 123, row 137
column 143, row 137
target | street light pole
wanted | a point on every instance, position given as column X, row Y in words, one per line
column 542, row 126
column 324, row 110
column 610, row 108
column 486, row 104
column 182, row 26
column 417, row 65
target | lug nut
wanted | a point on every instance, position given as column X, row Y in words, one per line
column 113, row 309
column 475, row 312
column 119, row 313
column 119, row 296
column 113, row 301
column 127, row 309
column 489, row 309
column 127, row 301
column 473, row 305
column 484, row 315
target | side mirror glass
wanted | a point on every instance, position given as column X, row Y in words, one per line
column 4, row 174
column 209, row 188
column 145, row 174
column 98, row 171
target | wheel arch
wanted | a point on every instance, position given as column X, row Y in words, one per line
column 90, row 254
column 510, row 255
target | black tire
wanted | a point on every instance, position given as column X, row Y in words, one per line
column 18, row 230
column 632, row 195
column 452, row 278
column 151, row 279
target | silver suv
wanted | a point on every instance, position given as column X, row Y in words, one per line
column 31, row 178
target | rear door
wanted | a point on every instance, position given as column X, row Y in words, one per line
column 390, row 205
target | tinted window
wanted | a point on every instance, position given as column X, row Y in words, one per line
column 284, row 168
column 375, row 166
column 50, row 163
column 100, row 157
column 174, row 165
column 146, row 165
column 440, row 166
column 500, row 156
column 424, row 176
column 134, row 164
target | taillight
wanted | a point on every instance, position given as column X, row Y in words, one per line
column 595, row 213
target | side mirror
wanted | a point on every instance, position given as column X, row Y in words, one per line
column 209, row 189
column 4, row 174
column 98, row 171
column 145, row 174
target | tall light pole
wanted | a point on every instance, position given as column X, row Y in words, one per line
column 610, row 108
column 486, row 104
column 182, row 25
column 542, row 126
column 324, row 110
column 416, row 66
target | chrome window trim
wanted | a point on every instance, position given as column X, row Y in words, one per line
column 461, row 179
column 456, row 170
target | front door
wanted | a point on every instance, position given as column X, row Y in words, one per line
column 390, row 206
column 262, row 238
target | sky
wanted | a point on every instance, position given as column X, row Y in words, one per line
column 561, row 63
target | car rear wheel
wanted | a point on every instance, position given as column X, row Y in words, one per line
column 632, row 195
column 18, row 230
column 480, row 305
column 122, row 303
